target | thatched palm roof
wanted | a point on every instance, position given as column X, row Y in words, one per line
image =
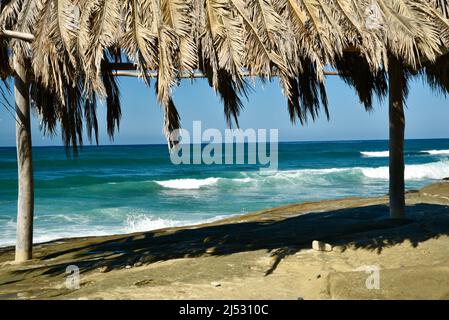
column 76, row 43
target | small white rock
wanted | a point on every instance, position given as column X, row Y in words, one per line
column 321, row 246
column 128, row 267
column 215, row 284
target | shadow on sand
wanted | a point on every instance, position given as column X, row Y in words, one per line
column 363, row 227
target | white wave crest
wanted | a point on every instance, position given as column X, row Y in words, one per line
column 375, row 154
column 434, row 170
column 144, row 222
column 187, row 184
column 437, row 152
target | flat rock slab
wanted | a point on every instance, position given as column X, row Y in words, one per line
column 426, row 282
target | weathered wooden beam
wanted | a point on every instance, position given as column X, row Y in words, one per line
column 17, row 35
column 123, row 69
column 153, row 74
column 186, row 75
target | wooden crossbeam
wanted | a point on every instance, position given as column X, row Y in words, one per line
column 126, row 69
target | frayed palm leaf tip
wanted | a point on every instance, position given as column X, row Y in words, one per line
column 172, row 124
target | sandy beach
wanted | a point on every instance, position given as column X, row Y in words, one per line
column 263, row 255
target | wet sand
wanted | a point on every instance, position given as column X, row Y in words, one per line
column 262, row 255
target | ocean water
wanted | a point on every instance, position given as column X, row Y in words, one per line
column 121, row 189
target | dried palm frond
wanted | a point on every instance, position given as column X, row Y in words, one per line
column 355, row 71
column 76, row 41
column 437, row 74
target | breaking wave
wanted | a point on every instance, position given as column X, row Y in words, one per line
column 430, row 171
column 187, row 183
column 144, row 222
column 434, row 171
column 437, row 152
column 375, row 154
column 386, row 154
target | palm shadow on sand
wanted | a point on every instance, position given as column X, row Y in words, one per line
column 366, row 228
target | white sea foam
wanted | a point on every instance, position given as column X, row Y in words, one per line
column 375, row 154
column 437, row 152
column 49, row 234
column 133, row 223
column 187, row 183
column 386, row 154
column 433, row 170
column 286, row 176
column 145, row 222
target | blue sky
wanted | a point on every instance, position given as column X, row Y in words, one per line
column 427, row 115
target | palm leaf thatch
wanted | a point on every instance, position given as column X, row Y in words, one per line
column 77, row 42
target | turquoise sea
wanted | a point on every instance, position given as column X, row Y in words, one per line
column 120, row 189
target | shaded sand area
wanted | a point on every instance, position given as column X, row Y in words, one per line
column 262, row 255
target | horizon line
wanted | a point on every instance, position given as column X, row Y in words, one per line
column 164, row 144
